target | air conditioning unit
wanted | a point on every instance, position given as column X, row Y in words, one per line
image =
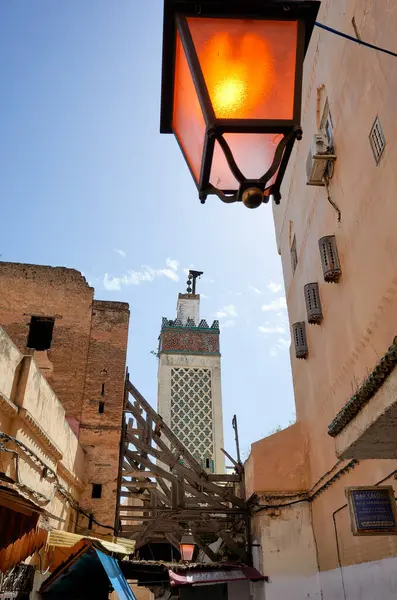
column 318, row 158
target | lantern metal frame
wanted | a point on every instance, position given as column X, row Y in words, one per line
column 187, row 540
column 176, row 13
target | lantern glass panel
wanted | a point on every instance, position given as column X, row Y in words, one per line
column 253, row 153
column 188, row 121
column 248, row 66
column 187, row 551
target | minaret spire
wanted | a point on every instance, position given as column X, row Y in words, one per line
column 192, row 278
column 189, row 378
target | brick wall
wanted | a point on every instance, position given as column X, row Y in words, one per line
column 88, row 351
column 100, row 432
column 64, row 294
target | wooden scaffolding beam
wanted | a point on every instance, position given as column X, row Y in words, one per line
column 163, row 489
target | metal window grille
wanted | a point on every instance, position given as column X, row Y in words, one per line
column 313, row 303
column 294, row 255
column 330, row 258
column 300, row 340
column 377, row 140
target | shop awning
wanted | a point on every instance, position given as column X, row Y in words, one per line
column 116, row 578
column 206, row 576
column 86, row 575
column 22, row 548
column 179, row 574
column 63, row 544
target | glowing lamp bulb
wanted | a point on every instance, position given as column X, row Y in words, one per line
column 229, row 95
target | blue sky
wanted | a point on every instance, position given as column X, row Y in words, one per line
column 88, row 182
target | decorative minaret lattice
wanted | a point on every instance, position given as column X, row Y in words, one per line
column 189, row 392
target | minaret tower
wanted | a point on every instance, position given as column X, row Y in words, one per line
column 189, row 380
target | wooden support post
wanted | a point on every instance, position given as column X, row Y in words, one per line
column 173, row 540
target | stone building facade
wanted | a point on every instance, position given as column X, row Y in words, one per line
column 41, row 469
column 343, row 371
column 189, row 382
column 80, row 345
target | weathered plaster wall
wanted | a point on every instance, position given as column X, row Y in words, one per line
column 11, row 358
column 36, row 418
column 288, row 554
column 360, row 316
column 188, row 307
column 360, row 312
column 366, row 581
column 278, row 463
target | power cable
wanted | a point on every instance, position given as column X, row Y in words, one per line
column 353, row 39
column 47, row 471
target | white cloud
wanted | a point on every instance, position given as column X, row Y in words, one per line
column 171, row 271
column 121, row 252
column 146, row 274
column 274, row 287
column 168, row 273
column 112, row 284
column 254, row 289
column 281, row 346
column 271, row 329
column 277, row 325
column 278, row 304
column 226, row 311
column 172, row 264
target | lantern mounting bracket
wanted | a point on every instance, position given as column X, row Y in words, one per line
column 245, row 184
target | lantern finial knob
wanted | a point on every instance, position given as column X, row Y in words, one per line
column 252, row 197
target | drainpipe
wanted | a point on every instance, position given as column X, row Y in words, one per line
column 338, row 549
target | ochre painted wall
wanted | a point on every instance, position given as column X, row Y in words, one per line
column 31, row 413
column 278, row 463
column 360, row 312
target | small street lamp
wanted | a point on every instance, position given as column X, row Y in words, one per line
column 187, row 546
column 231, row 91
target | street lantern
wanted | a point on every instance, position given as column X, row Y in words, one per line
column 187, row 546
column 231, row 91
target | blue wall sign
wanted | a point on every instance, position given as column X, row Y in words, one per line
column 372, row 510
